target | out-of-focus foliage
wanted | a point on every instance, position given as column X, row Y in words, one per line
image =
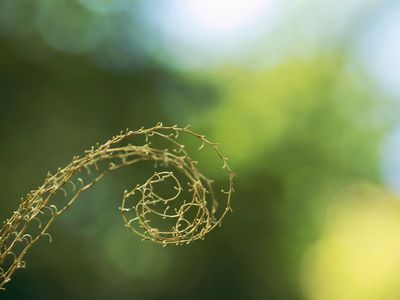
column 294, row 106
column 358, row 256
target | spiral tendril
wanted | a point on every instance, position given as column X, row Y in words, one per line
column 161, row 219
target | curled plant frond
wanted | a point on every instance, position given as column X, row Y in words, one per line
column 145, row 209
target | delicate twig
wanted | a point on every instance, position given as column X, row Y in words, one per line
column 190, row 221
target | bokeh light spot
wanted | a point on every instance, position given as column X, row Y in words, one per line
column 66, row 26
column 390, row 160
column 358, row 256
column 379, row 49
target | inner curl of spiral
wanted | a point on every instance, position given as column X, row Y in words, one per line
column 173, row 219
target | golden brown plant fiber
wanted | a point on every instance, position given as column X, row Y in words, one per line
column 190, row 220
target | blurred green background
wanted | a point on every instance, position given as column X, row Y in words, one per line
column 302, row 95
